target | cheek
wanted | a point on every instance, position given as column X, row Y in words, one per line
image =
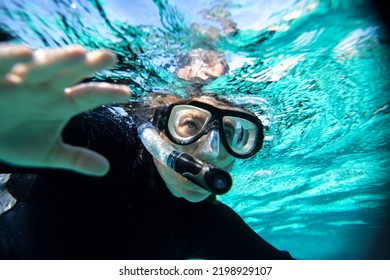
column 229, row 165
column 169, row 176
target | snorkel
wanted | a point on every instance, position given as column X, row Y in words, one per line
column 207, row 176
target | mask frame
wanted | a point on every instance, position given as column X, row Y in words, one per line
column 161, row 122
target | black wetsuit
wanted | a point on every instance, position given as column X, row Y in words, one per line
column 127, row 214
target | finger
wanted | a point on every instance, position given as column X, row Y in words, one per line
column 10, row 55
column 78, row 159
column 47, row 63
column 89, row 95
column 93, row 62
column 99, row 60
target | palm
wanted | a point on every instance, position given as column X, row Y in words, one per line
column 35, row 105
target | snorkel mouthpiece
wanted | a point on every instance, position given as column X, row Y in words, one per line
column 207, row 176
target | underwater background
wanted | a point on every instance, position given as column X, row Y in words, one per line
column 315, row 71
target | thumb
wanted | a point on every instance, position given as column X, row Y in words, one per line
column 78, row 159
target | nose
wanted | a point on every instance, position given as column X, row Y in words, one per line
column 208, row 147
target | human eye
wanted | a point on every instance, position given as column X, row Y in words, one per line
column 229, row 132
column 233, row 132
column 189, row 126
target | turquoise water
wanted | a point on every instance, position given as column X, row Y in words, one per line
column 317, row 72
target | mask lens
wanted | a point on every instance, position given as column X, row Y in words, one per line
column 187, row 122
column 240, row 134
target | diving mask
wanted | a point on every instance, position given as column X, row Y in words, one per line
column 241, row 133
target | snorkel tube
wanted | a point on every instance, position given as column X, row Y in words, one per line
column 207, row 176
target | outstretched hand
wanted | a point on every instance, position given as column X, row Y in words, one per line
column 38, row 96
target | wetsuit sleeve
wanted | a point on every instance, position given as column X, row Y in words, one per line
column 225, row 235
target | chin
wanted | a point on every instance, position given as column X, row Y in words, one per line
column 193, row 193
column 194, row 198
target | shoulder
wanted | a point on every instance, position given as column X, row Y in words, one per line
column 105, row 130
column 103, row 122
column 109, row 131
column 220, row 225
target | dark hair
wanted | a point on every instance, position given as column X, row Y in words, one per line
column 144, row 107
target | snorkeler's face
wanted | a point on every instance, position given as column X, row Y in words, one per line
column 208, row 148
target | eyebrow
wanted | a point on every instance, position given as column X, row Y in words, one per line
column 195, row 114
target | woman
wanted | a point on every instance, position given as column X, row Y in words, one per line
column 121, row 203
